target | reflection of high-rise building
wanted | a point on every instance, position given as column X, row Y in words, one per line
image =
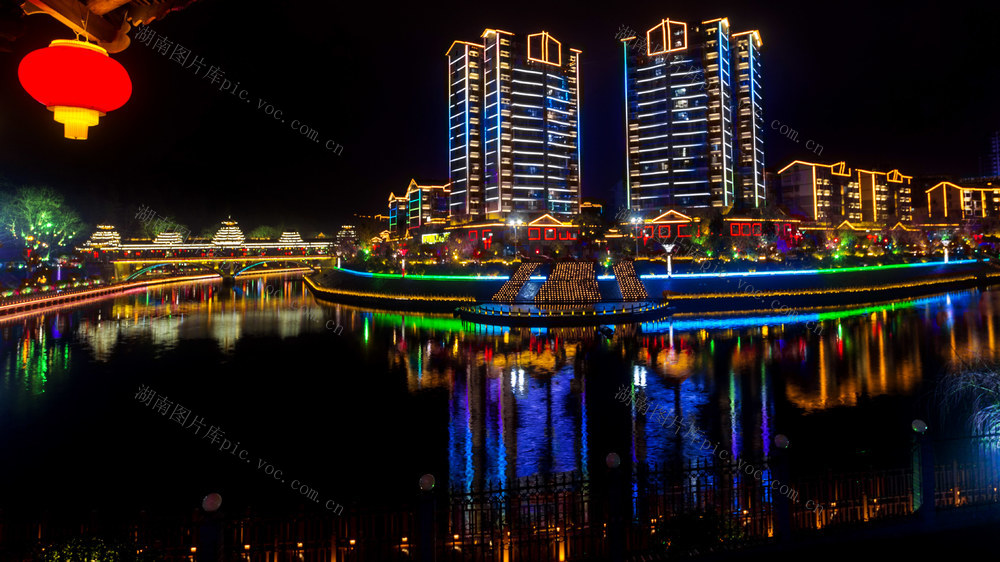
column 683, row 84
column 513, row 126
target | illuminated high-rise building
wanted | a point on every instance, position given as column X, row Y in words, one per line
column 690, row 90
column 750, row 188
column 989, row 161
column 513, row 127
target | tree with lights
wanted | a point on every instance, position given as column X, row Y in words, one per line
column 153, row 228
column 40, row 218
column 265, row 232
column 368, row 230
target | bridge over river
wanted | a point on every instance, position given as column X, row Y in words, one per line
column 228, row 253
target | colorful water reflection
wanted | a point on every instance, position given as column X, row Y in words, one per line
column 524, row 401
column 519, row 400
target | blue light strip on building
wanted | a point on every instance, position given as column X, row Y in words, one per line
column 628, row 179
column 726, row 178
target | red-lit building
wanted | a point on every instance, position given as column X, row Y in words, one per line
column 545, row 230
column 674, row 226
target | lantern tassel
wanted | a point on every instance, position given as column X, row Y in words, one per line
column 76, row 120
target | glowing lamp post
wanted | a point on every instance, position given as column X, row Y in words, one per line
column 77, row 81
column 635, row 221
column 515, row 223
column 670, row 266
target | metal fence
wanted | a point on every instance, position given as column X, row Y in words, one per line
column 614, row 514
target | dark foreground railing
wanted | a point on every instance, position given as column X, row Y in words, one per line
column 613, row 515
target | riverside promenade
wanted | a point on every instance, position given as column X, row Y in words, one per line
column 572, row 293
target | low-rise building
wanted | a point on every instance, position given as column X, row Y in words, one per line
column 833, row 193
column 951, row 202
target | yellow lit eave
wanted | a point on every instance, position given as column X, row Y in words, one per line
column 837, row 168
column 794, row 162
column 755, row 34
column 453, row 43
column 674, row 216
column 762, row 219
column 959, row 187
column 414, row 186
column 489, row 31
column 474, row 225
column 555, row 221
column 872, row 172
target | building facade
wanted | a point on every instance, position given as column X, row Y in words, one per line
column 426, row 205
column 398, row 215
column 693, row 117
column 951, row 202
column 513, row 127
column 750, row 186
column 832, row 193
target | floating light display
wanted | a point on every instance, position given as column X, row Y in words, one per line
column 77, row 81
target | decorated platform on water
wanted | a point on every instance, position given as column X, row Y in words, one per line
column 570, row 314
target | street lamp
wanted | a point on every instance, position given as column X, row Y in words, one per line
column 515, row 223
column 635, row 221
column 670, row 266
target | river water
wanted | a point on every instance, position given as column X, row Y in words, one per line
column 263, row 395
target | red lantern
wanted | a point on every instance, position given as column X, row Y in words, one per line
column 77, row 81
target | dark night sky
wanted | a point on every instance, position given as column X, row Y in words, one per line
column 913, row 86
